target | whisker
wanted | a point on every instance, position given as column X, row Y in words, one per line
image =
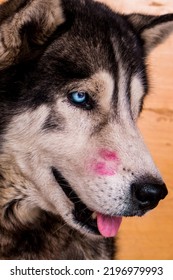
column 60, row 227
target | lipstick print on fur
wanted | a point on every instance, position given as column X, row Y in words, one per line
column 106, row 163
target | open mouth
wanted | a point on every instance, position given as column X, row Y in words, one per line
column 81, row 213
column 93, row 222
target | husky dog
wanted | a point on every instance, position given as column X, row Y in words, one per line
column 72, row 161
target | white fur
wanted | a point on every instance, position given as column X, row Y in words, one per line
column 137, row 91
column 36, row 151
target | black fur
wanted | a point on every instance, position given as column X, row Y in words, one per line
column 36, row 71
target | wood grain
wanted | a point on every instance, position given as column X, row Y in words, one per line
column 142, row 6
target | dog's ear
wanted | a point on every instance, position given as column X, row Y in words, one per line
column 152, row 29
column 25, row 25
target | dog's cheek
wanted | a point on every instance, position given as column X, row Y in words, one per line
column 101, row 168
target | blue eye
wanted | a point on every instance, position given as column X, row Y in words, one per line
column 81, row 99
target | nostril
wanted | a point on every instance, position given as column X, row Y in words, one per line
column 148, row 195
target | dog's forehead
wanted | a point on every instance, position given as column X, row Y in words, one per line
column 92, row 40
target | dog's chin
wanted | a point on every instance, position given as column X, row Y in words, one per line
column 83, row 217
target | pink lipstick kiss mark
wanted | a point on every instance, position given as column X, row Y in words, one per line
column 108, row 155
column 106, row 164
column 101, row 168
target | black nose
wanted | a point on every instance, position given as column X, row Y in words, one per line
column 148, row 195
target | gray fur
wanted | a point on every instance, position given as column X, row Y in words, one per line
column 49, row 145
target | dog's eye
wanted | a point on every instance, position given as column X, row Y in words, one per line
column 81, row 99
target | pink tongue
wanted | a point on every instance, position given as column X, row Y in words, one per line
column 108, row 226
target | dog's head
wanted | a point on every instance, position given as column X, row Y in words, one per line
column 74, row 79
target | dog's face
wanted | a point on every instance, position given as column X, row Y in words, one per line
column 73, row 132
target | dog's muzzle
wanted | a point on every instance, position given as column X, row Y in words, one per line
column 145, row 194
